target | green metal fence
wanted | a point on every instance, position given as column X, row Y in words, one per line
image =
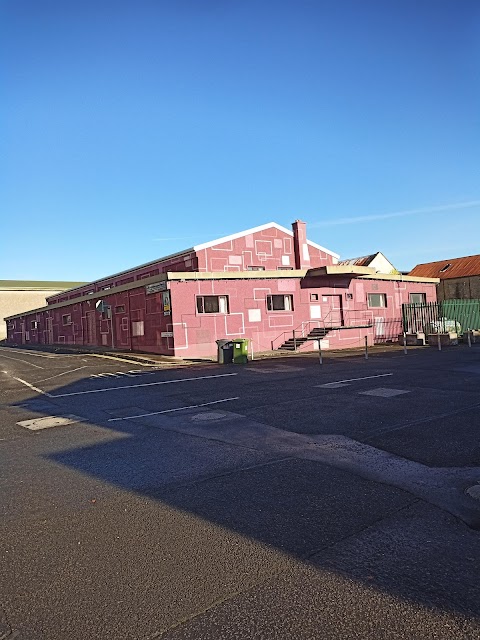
column 434, row 317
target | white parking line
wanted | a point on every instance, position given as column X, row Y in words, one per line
column 62, row 374
column 106, row 357
column 45, row 393
column 380, row 375
column 24, row 361
column 156, row 413
column 135, row 386
column 31, row 353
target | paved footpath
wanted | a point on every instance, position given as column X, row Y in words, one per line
column 282, row 499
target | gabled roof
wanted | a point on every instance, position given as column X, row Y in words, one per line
column 449, row 268
column 205, row 245
column 262, row 227
column 363, row 261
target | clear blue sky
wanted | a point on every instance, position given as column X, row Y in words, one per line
column 133, row 129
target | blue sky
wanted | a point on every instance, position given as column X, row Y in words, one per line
column 133, row 129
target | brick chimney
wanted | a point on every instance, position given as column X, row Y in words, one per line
column 300, row 246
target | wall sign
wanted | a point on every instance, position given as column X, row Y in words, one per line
column 166, row 303
column 156, row 287
column 167, row 334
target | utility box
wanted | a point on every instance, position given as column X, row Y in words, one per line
column 240, row 351
column 224, row 351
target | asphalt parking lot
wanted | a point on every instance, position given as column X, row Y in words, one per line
column 280, row 499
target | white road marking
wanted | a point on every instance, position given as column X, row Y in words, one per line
column 118, row 374
column 31, row 353
column 135, row 386
column 156, row 413
column 333, row 385
column 62, row 374
column 274, row 369
column 48, row 422
column 18, row 360
column 45, row 393
column 101, row 355
column 380, row 375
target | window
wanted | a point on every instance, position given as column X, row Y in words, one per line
column 120, row 308
column 66, row 319
column 255, row 268
column 33, row 324
column 280, row 303
column 284, row 268
column 418, row 298
column 377, row 300
column 212, row 304
column 313, row 297
column 349, row 296
column 138, row 329
column 445, row 267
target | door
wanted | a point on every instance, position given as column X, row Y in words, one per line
column 48, row 332
column 333, row 311
column 91, row 328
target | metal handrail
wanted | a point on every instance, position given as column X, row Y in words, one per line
column 281, row 335
column 349, row 317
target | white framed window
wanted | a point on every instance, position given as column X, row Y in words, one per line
column 377, row 300
column 67, row 319
column 255, row 268
column 284, row 268
column 212, row 304
column 280, row 303
column 33, row 324
column 313, row 297
column 138, row 328
column 418, row 298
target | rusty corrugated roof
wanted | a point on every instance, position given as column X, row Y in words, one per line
column 449, row 268
column 363, row 261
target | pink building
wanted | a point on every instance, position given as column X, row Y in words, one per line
column 268, row 284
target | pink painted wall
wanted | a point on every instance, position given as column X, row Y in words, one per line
column 138, row 319
column 195, row 334
column 317, row 301
column 137, row 322
column 270, row 248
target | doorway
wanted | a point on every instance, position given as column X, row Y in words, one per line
column 333, row 310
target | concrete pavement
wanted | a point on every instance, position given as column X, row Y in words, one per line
column 241, row 502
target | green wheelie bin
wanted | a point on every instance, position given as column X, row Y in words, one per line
column 240, row 351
